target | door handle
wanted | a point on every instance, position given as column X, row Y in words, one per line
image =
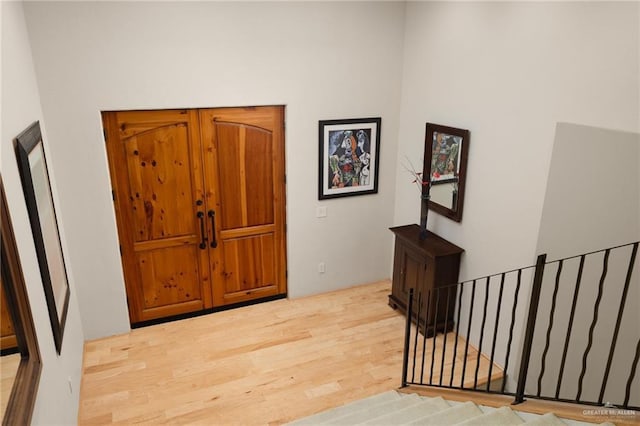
column 203, row 236
column 212, row 216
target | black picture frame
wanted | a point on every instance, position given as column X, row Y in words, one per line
column 44, row 226
column 348, row 157
column 446, row 150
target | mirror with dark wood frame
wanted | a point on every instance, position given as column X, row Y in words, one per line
column 20, row 368
column 445, row 162
column 34, row 174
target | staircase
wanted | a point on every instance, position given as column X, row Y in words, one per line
column 394, row 408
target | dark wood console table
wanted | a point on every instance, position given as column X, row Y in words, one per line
column 425, row 265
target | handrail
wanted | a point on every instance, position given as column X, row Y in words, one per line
column 593, row 252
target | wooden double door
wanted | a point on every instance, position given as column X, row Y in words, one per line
column 199, row 196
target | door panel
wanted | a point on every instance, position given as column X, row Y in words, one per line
column 159, row 182
column 170, row 276
column 232, row 212
column 259, row 176
column 245, row 174
column 249, row 266
column 244, row 157
column 156, row 168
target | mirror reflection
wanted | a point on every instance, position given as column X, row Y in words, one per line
column 446, row 195
column 9, row 365
column 445, row 169
column 10, row 358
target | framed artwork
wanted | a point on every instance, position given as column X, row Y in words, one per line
column 44, row 226
column 349, row 153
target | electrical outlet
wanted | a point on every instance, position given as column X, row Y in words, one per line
column 321, row 268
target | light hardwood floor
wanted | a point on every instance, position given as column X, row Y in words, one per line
column 262, row 364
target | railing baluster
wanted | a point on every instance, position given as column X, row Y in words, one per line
column 444, row 334
column 415, row 341
column 484, row 320
column 455, row 345
column 614, row 340
column 632, row 375
column 531, row 327
column 495, row 332
column 424, row 335
column 570, row 326
column 513, row 323
column 407, row 340
column 550, row 327
column 435, row 333
column 466, row 346
column 605, row 266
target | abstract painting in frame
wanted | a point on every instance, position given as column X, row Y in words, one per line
column 349, row 153
column 44, row 226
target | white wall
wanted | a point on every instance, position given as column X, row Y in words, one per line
column 589, row 205
column 321, row 60
column 508, row 72
column 606, row 212
column 55, row 404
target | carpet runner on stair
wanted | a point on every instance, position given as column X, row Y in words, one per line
column 394, row 408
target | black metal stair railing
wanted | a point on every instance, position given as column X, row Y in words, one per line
column 460, row 361
column 544, row 338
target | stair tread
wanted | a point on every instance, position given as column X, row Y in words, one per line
column 501, row 416
column 425, row 407
column 450, row 416
column 324, row 416
column 377, row 410
column 394, row 408
column 548, row 419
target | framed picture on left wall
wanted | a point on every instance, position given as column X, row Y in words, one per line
column 349, row 153
column 44, row 226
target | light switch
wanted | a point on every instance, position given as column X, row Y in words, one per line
column 321, row 211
